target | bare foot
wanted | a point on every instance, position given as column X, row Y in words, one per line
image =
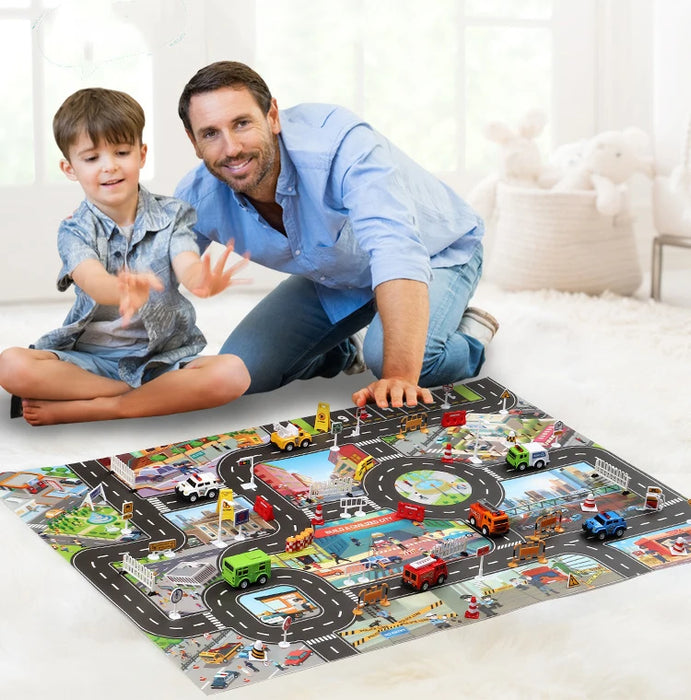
column 44, row 412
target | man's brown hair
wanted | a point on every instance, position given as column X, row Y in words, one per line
column 103, row 115
column 223, row 74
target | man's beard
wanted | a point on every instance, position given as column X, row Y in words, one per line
column 264, row 159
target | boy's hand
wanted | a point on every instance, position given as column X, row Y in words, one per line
column 135, row 288
column 213, row 281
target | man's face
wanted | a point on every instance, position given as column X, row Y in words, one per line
column 236, row 141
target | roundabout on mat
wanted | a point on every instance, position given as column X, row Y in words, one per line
column 434, row 488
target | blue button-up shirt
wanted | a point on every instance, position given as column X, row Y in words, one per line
column 356, row 211
column 162, row 230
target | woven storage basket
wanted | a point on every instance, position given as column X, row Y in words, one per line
column 558, row 240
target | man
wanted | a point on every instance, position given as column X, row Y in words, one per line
column 383, row 257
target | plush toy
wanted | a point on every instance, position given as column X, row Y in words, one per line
column 520, row 162
column 608, row 160
column 564, row 160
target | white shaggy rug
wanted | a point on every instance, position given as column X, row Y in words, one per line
column 618, row 370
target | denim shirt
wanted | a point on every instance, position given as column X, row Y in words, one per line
column 162, row 230
column 356, row 210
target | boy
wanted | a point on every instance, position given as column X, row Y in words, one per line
column 129, row 345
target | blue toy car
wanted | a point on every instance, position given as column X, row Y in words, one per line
column 607, row 524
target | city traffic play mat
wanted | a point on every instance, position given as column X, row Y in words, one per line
column 250, row 554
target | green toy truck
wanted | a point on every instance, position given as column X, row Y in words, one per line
column 529, row 454
column 240, row 570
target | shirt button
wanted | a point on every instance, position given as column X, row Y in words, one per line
column 322, row 278
column 297, row 252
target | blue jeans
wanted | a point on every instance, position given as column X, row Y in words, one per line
column 288, row 336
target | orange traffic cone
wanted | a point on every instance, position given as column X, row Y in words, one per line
column 589, row 504
column 447, row 457
column 318, row 518
column 472, row 613
column 678, row 548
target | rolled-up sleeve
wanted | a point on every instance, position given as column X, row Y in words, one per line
column 183, row 237
column 382, row 217
column 196, row 191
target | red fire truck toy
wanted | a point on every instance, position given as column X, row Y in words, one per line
column 488, row 519
column 423, row 573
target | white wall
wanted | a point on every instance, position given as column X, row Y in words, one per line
column 672, row 85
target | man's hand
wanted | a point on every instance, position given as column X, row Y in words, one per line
column 395, row 390
column 404, row 311
column 210, row 281
column 135, row 288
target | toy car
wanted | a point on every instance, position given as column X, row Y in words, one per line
column 529, row 454
column 298, row 656
column 607, row 524
column 223, row 679
column 240, row 570
column 288, row 437
column 198, row 486
column 425, row 572
column 488, row 519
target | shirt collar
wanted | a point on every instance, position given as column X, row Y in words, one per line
column 151, row 216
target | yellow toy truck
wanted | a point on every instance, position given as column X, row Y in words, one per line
column 288, row 437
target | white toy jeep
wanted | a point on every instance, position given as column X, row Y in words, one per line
column 198, row 486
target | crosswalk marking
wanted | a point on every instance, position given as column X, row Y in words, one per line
column 350, row 595
column 159, row 505
column 213, row 620
column 388, row 457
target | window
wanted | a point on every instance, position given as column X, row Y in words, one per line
column 55, row 48
column 17, row 124
column 429, row 78
column 49, row 49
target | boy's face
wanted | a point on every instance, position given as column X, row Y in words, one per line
column 108, row 174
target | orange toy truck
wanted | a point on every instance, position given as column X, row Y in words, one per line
column 488, row 519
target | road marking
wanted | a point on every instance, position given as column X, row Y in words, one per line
column 158, row 504
column 214, row 620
